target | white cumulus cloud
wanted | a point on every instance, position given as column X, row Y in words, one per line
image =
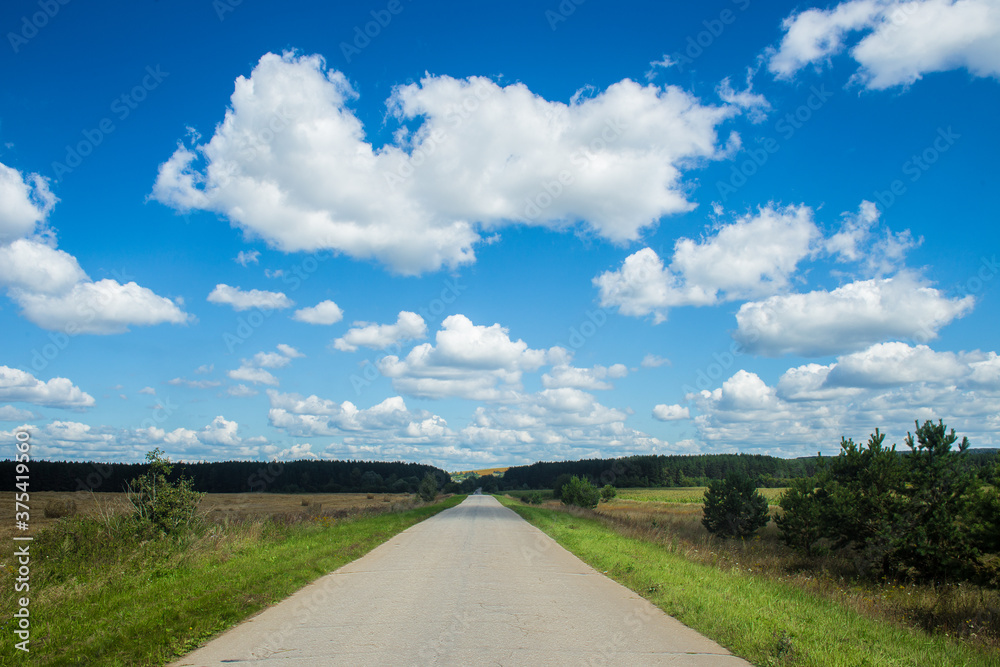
column 755, row 255
column 468, row 360
column 49, row 285
column 847, row 318
column 17, row 386
column 324, row 312
column 902, row 39
column 408, row 326
column 290, row 163
column 245, row 300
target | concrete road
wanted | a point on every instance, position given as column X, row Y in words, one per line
column 474, row 585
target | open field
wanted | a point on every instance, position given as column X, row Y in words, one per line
column 687, row 494
column 768, row 615
column 214, row 506
column 101, row 593
column 460, row 476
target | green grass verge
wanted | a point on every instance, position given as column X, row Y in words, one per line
column 151, row 614
column 765, row 622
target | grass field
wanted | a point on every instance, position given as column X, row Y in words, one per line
column 214, row 506
column 766, row 620
column 688, row 494
column 101, row 596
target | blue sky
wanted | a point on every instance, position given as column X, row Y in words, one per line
column 477, row 234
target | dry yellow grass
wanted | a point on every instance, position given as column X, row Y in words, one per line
column 214, row 506
column 484, row 471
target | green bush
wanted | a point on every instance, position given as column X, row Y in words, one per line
column 580, row 492
column 533, row 498
column 167, row 506
column 734, row 507
column 608, row 492
column 923, row 516
column 428, row 488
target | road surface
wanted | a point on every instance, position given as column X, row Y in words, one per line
column 473, row 585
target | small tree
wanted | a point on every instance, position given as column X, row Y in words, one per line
column 800, row 523
column 734, row 507
column 580, row 492
column 557, row 486
column 608, row 492
column 428, row 488
column 168, row 506
column 935, row 541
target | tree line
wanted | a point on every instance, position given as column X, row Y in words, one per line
column 686, row 470
column 306, row 476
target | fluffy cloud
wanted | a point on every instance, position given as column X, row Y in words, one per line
column 247, row 257
column 252, row 370
column 667, row 413
column 847, row 318
column 324, row 312
column 8, row 413
column 29, row 266
column 243, row 300
column 290, row 163
column 654, row 361
column 102, row 307
column 903, row 40
column 753, row 256
column 74, row 441
column 566, row 376
column 887, row 386
column 562, row 423
column 49, row 285
column 17, row 386
column 557, row 424
column 24, row 203
column 315, row 416
column 408, row 326
column 469, row 361
column 193, row 384
column 860, row 238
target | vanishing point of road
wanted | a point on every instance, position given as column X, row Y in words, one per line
column 473, row 585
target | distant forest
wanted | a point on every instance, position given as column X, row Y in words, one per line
column 307, row 476
column 680, row 470
column 310, row 476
